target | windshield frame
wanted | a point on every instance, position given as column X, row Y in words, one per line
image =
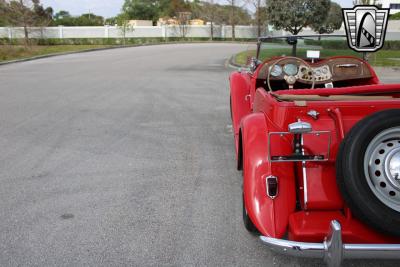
column 292, row 40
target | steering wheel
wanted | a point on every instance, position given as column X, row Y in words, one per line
column 291, row 79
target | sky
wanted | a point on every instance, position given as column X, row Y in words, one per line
column 110, row 8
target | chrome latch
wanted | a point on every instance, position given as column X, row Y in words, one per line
column 313, row 114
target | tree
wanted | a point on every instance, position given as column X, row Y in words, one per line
column 26, row 14
column 89, row 19
column 62, row 14
column 209, row 12
column 294, row 15
column 332, row 22
column 364, row 2
column 123, row 24
column 232, row 4
column 221, row 14
column 172, row 8
column 183, row 22
column 3, row 14
column 43, row 15
column 139, row 9
column 236, row 12
column 111, row 21
column 260, row 15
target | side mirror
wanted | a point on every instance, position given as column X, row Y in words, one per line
column 300, row 127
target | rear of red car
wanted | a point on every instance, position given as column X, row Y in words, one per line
column 331, row 197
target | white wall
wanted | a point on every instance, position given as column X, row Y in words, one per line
column 193, row 31
column 199, row 31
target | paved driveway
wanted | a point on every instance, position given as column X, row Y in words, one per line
column 124, row 157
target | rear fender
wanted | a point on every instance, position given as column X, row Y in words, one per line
column 270, row 216
column 240, row 101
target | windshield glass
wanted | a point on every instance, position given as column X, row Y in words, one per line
column 323, row 45
column 326, row 46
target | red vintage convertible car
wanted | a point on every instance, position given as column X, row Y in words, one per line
column 318, row 139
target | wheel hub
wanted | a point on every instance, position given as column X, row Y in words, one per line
column 394, row 165
column 382, row 167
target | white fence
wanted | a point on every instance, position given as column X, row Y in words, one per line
column 224, row 31
column 245, row 32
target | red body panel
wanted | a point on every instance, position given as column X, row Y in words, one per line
column 240, row 101
column 313, row 227
column 269, row 216
column 262, row 114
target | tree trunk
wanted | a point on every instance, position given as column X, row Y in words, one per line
column 26, row 34
column 124, row 33
column 233, row 20
column 212, row 30
column 258, row 18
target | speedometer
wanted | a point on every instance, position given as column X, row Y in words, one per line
column 290, row 69
column 276, row 71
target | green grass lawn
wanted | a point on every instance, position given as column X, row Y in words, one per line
column 12, row 52
column 384, row 58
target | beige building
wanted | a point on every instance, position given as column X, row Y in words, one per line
column 196, row 22
column 175, row 21
column 136, row 22
column 167, row 21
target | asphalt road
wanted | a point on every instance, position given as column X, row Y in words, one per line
column 124, row 157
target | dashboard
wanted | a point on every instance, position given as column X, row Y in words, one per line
column 324, row 71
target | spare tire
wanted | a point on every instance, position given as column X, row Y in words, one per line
column 368, row 171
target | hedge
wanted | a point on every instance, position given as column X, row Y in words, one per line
column 111, row 41
column 342, row 45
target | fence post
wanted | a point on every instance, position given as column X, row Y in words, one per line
column 10, row 36
column 223, row 31
column 60, row 32
column 164, row 31
column 106, row 28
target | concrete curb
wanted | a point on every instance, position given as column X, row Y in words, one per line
column 59, row 54
column 111, row 47
column 233, row 64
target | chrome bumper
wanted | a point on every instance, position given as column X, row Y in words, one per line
column 332, row 250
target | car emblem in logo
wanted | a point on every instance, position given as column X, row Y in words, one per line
column 366, row 27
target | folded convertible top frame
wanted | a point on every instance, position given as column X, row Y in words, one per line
column 332, row 250
column 330, row 98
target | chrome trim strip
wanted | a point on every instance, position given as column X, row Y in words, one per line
column 303, row 165
column 332, row 250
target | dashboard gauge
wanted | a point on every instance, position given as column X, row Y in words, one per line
column 290, row 69
column 276, row 71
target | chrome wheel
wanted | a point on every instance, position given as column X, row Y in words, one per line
column 382, row 167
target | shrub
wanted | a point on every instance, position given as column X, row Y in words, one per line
column 395, row 16
column 342, row 45
column 111, row 41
